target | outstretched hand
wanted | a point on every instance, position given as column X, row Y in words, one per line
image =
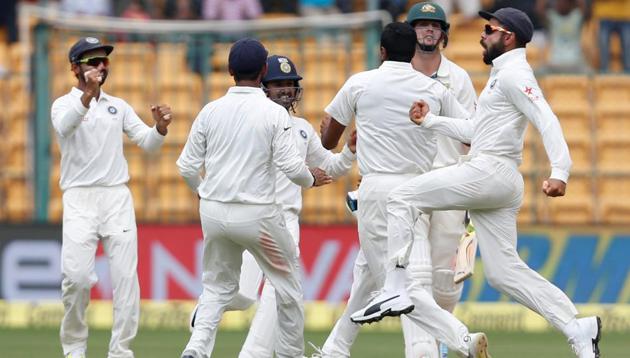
column 418, row 111
column 162, row 116
column 554, row 187
column 321, row 178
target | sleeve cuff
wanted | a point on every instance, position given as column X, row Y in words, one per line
column 559, row 174
column 429, row 120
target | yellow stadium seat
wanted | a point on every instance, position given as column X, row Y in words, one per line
column 576, row 207
column 564, row 92
column 612, row 90
column 614, row 199
column 19, row 200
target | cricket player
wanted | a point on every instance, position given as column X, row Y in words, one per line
column 240, row 140
column 97, row 205
column 390, row 151
column 488, row 183
column 282, row 85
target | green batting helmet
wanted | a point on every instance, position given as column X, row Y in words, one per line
column 429, row 11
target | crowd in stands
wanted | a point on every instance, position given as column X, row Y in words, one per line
column 558, row 23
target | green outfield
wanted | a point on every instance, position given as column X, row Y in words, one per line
column 31, row 343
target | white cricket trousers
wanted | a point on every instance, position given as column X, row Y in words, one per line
column 491, row 188
column 261, row 340
column 90, row 214
column 371, row 263
column 228, row 230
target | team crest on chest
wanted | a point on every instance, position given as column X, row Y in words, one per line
column 494, row 82
column 112, row 110
column 303, row 133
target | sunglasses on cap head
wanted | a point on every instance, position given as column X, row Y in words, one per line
column 94, row 61
column 489, row 29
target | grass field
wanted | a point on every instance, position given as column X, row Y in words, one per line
column 162, row 344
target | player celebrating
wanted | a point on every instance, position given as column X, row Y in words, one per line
column 281, row 83
column 390, row 151
column 489, row 183
column 97, row 204
column 239, row 140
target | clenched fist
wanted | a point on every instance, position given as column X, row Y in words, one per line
column 554, row 187
column 321, row 178
column 418, row 111
column 162, row 116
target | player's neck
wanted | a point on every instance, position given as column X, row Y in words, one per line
column 248, row 83
column 426, row 62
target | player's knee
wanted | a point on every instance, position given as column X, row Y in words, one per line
column 445, row 291
column 495, row 279
column 240, row 303
column 79, row 280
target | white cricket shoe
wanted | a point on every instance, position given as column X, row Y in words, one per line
column 477, row 345
column 77, row 353
column 585, row 343
column 384, row 304
column 352, row 202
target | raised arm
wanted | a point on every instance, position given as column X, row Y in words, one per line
column 147, row 138
column 457, row 128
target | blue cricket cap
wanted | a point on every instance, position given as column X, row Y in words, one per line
column 247, row 55
column 513, row 20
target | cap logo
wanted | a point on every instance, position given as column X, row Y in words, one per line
column 285, row 67
column 92, row 40
column 427, row 8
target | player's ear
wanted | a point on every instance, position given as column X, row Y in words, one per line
column 383, row 54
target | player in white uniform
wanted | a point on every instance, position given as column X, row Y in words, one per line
column 489, row 184
column 97, row 204
column 281, row 83
column 240, row 140
column 390, row 151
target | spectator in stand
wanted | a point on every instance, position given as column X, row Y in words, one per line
column 564, row 23
column 182, row 9
column 8, row 16
column 468, row 8
column 231, row 9
column 135, row 10
column 614, row 16
column 317, row 7
column 87, row 7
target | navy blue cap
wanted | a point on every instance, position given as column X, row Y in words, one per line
column 513, row 20
column 87, row 44
column 280, row 68
column 247, row 55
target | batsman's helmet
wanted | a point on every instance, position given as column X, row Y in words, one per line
column 280, row 68
column 429, row 11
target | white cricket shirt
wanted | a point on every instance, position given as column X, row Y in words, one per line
column 511, row 98
column 239, row 140
column 388, row 142
column 309, row 145
column 458, row 82
column 91, row 140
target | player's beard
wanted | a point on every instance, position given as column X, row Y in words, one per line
column 492, row 51
column 428, row 48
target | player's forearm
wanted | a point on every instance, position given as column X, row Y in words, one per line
column 458, row 129
column 339, row 164
column 151, row 141
column 193, row 182
column 66, row 119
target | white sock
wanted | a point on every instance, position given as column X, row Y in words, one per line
column 396, row 279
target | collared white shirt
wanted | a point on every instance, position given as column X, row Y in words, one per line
column 458, row 82
column 511, row 98
column 388, row 142
column 310, row 147
column 91, row 140
column 239, row 140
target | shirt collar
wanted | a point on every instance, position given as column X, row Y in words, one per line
column 246, row 90
column 444, row 69
column 396, row 65
column 78, row 93
column 511, row 57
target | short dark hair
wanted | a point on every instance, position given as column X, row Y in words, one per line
column 399, row 41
